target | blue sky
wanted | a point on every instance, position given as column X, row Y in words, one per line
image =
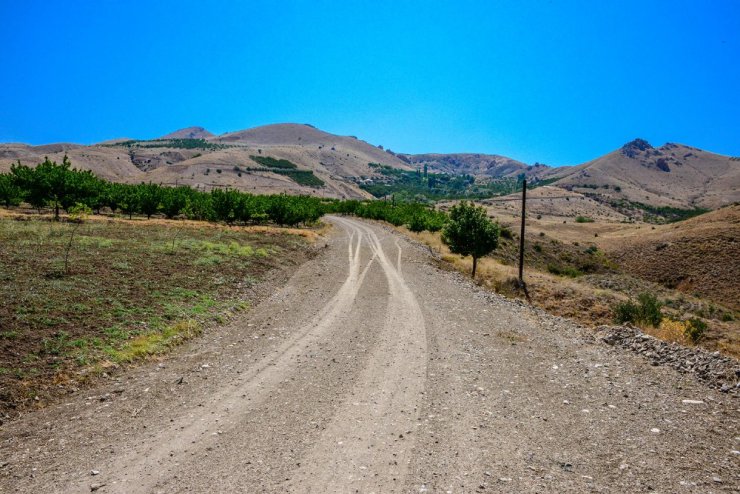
column 554, row 82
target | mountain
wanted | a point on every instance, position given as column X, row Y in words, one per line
column 674, row 175
column 189, row 133
column 340, row 162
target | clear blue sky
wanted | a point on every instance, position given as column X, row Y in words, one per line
column 554, row 82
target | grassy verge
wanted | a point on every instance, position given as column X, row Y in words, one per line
column 132, row 289
column 582, row 284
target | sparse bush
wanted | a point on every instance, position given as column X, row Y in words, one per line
column 563, row 270
column 584, row 219
column 647, row 311
column 417, row 224
column 695, row 329
column 625, row 312
column 650, row 309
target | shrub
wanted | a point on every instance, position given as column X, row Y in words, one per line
column 584, row 219
column 695, row 329
column 645, row 311
column 417, row 224
column 650, row 309
column 625, row 312
column 563, row 270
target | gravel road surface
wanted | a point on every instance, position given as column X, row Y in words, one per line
column 373, row 370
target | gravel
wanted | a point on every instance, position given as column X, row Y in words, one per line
column 711, row 368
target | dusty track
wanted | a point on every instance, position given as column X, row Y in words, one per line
column 373, row 371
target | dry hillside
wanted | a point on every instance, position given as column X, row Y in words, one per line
column 672, row 175
column 697, row 256
column 223, row 161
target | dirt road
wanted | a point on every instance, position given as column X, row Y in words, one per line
column 372, row 370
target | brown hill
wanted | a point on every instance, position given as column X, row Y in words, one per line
column 224, row 161
column 189, row 133
column 697, row 256
column 672, row 175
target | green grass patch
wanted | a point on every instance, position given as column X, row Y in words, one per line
column 126, row 295
column 155, row 342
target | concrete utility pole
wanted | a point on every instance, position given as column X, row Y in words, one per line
column 521, row 238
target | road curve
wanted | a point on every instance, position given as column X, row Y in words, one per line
column 372, row 370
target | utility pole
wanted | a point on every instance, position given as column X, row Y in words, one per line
column 521, row 237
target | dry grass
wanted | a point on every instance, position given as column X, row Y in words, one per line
column 588, row 299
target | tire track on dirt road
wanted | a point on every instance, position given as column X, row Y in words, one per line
column 367, row 447
column 142, row 469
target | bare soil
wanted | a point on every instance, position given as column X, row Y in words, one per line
column 372, row 370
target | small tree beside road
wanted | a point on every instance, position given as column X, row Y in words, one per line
column 469, row 232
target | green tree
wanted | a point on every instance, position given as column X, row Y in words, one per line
column 53, row 180
column 150, row 199
column 174, row 200
column 10, row 193
column 124, row 197
column 225, row 204
column 469, row 232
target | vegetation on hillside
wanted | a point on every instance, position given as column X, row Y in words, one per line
column 271, row 162
column 650, row 213
column 169, row 143
column 424, row 186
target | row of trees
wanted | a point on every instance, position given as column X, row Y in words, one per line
column 61, row 187
column 466, row 230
